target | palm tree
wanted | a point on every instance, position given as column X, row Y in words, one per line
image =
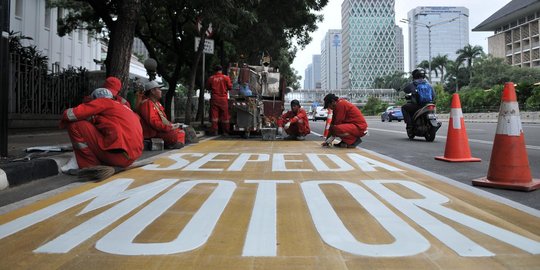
column 440, row 62
column 469, row 53
column 425, row 65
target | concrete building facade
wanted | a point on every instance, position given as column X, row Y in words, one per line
column 516, row 33
column 33, row 19
column 331, row 67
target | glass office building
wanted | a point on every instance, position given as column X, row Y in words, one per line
column 449, row 33
column 369, row 42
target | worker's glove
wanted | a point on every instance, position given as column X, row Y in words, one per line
column 280, row 131
column 175, row 125
column 287, row 125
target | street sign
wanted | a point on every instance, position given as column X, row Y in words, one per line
column 208, row 45
column 209, row 32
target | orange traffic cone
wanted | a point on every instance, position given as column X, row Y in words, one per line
column 457, row 144
column 509, row 165
column 328, row 122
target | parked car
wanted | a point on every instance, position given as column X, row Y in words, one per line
column 392, row 113
column 320, row 113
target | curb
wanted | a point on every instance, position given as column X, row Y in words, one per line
column 21, row 172
column 17, row 173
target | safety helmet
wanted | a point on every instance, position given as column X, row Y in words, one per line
column 419, row 73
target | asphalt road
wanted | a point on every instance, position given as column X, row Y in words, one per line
column 390, row 139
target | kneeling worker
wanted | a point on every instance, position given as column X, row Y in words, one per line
column 154, row 120
column 348, row 123
column 103, row 132
column 294, row 122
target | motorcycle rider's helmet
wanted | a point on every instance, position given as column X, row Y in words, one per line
column 419, row 73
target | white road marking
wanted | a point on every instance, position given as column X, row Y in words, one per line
column 533, row 147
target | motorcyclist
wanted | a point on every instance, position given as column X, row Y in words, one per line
column 411, row 107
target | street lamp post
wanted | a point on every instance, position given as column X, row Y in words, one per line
column 429, row 26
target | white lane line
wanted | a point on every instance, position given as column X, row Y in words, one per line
column 533, row 147
column 450, row 181
column 3, row 180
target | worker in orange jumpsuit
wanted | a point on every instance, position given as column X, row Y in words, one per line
column 154, row 120
column 294, row 122
column 348, row 123
column 114, row 85
column 219, row 85
column 103, row 132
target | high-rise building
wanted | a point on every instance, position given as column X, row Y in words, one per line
column 308, row 77
column 316, row 71
column 369, row 41
column 516, row 37
column 449, row 33
column 400, row 49
column 331, row 60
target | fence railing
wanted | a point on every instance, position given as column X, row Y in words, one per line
column 35, row 91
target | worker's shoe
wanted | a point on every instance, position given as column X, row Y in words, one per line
column 212, row 133
column 177, row 145
column 300, row 138
column 290, row 138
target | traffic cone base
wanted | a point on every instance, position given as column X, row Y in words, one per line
column 470, row 159
column 529, row 186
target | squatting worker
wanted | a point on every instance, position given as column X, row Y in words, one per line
column 294, row 122
column 103, row 131
column 154, row 120
column 348, row 123
column 114, row 85
column 219, row 85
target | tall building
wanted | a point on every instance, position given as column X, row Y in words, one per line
column 400, row 49
column 308, row 77
column 449, row 33
column 516, row 37
column 331, row 60
column 316, row 72
column 369, row 41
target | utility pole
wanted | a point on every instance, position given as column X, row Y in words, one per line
column 4, row 76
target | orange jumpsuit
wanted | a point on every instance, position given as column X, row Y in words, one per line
column 348, row 123
column 299, row 122
column 219, row 84
column 103, row 132
column 156, row 125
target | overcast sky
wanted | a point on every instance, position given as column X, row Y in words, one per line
column 479, row 10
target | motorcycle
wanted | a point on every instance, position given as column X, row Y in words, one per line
column 424, row 122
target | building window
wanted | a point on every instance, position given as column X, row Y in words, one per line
column 80, row 35
column 47, row 22
column 19, row 8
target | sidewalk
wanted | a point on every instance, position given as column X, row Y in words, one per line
column 21, row 167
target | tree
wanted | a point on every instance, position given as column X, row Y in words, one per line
column 395, row 81
column 469, row 53
column 440, row 62
column 119, row 17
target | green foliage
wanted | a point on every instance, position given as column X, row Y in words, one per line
column 374, row 106
column 30, row 56
column 443, row 99
column 396, row 81
column 533, row 102
column 480, row 100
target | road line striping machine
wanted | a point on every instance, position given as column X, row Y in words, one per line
column 256, row 100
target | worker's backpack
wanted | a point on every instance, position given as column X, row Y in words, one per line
column 424, row 92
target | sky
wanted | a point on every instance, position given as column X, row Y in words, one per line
column 479, row 10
